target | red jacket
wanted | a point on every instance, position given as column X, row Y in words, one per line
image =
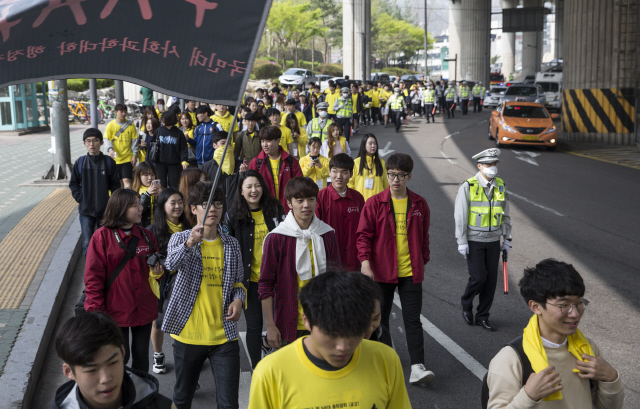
column 129, row 301
column 343, row 214
column 289, row 169
column 376, row 236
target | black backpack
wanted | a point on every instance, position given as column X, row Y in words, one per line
column 527, row 370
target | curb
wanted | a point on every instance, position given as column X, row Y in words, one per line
column 22, row 370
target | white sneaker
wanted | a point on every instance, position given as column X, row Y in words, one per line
column 158, row 363
column 419, row 374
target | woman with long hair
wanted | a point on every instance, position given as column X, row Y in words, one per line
column 279, row 103
column 190, row 177
column 299, row 134
column 145, row 183
column 132, row 298
column 369, row 171
column 335, row 143
column 261, row 120
column 146, row 126
column 254, row 214
column 173, row 150
column 169, row 218
column 311, row 110
column 187, row 127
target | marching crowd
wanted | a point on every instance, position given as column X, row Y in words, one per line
column 304, row 241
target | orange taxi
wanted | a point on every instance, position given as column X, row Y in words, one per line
column 523, row 123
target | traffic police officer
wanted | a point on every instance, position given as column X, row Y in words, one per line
column 450, row 101
column 397, row 107
column 477, row 96
column 481, row 219
column 344, row 112
column 429, row 103
column 464, row 97
column 318, row 126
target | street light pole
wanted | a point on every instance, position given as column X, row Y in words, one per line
column 426, row 43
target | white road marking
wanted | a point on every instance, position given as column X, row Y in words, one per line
column 444, row 155
column 450, row 345
column 527, row 156
column 535, row 204
column 386, row 151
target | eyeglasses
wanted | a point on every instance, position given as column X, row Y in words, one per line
column 567, row 308
column 91, row 141
column 218, row 204
column 400, row 176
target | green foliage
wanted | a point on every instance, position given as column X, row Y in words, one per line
column 333, row 70
column 400, row 71
column 494, row 59
column 392, row 36
column 82, row 84
column 264, row 69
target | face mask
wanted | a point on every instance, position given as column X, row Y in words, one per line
column 345, row 95
column 490, row 172
column 322, row 114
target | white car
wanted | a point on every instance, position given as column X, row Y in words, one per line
column 297, row 77
column 492, row 99
column 325, row 84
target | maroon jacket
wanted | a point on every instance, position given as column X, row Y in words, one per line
column 343, row 214
column 130, row 301
column 289, row 169
column 376, row 236
column 279, row 278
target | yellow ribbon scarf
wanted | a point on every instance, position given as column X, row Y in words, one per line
column 229, row 161
column 532, row 345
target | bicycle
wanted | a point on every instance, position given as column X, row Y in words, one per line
column 108, row 111
column 81, row 112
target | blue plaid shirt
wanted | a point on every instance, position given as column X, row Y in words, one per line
column 188, row 262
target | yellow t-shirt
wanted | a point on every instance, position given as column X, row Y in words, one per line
column 288, row 379
column 354, row 97
column 259, row 233
column 302, row 284
column 375, row 98
column 402, row 242
column 286, row 138
column 204, row 326
column 121, row 144
column 302, row 121
column 331, row 99
column 359, row 181
column 303, row 138
column 142, row 190
column 275, row 171
column 224, row 121
column 317, row 175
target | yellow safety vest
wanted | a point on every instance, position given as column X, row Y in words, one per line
column 464, row 92
column 395, row 102
column 429, row 96
column 318, row 132
column 484, row 91
column 450, row 94
column 477, row 90
column 346, row 111
column 485, row 215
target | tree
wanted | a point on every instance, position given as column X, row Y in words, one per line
column 392, row 36
column 331, row 19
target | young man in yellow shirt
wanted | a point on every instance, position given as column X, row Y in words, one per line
column 121, row 142
column 332, row 367
column 206, row 302
column 286, row 140
column 224, row 118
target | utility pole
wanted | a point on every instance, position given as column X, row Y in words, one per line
column 426, row 43
column 93, row 100
column 60, row 145
column 119, row 85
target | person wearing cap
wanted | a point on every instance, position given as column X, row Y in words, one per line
column 465, row 93
column 247, row 144
column 478, row 95
column 397, row 107
column 429, row 102
column 450, row 100
column 318, row 127
column 481, row 220
column 344, row 112
column 290, row 108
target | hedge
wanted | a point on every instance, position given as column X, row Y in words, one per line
column 264, row 69
column 82, row 84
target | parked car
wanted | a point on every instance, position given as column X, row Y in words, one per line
column 325, row 84
column 298, row 77
column 529, row 79
column 321, row 78
column 525, row 93
column 551, row 83
column 523, row 123
column 492, row 99
column 382, row 77
column 410, row 77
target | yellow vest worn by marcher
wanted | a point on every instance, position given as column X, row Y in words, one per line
column 485, row 215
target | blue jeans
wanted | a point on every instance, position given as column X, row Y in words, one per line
column 88, row 225
column 225, row 365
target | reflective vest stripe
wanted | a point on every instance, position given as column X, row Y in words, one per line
column 464, row 92
column 486, row 215
column 317, row 131
column 429, row 96
column 450, row 94
column 347, row 111
column 395, row 103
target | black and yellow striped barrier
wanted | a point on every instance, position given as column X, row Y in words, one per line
column 599, row 111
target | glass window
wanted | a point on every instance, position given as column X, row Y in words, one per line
column 5, row 113
column 27, row 89
column 525, row 111
column 19, row 113
column 4, row 92
column 522, row 91
column 549, row 86
column 16, row 91
column 293, row 71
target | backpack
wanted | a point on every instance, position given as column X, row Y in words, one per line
column 81, row 162
column 527, row 370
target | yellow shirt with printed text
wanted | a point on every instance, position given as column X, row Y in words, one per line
column 286, row 138
column 260, row 231
column 275, row 171
column 402, row 242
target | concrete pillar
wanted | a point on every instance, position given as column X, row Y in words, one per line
column 601, row 73
column 531, row 46
column 470, row 21
column 356, row 38
column 559, row 27
column 119, row 86
column 508, row 44
column 60, row 141
column 93, row 99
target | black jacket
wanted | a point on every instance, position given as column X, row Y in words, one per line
column 90, row 185
column 243, row 232
column 308, row 112
column 139, row 391
column 173, row 145
column 145, row 202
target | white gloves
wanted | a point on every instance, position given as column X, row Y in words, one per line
column 463, row 249
column 506, row 245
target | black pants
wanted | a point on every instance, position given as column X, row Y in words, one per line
column 411, row 302
column 396, row 116
column 476, row 104
column 465, row 106
column 139, row 350
column 450, row 108
column 375, row 115
column 428, row 111
column 416, row 109
column 345, row 125
column 169, row 175
column 253, row 315
column 225, row 365
column 483, row 260
column 441, row 103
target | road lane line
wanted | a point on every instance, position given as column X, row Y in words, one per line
column 450, row 345
column 510, row 193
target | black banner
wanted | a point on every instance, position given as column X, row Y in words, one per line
column 195, row 49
